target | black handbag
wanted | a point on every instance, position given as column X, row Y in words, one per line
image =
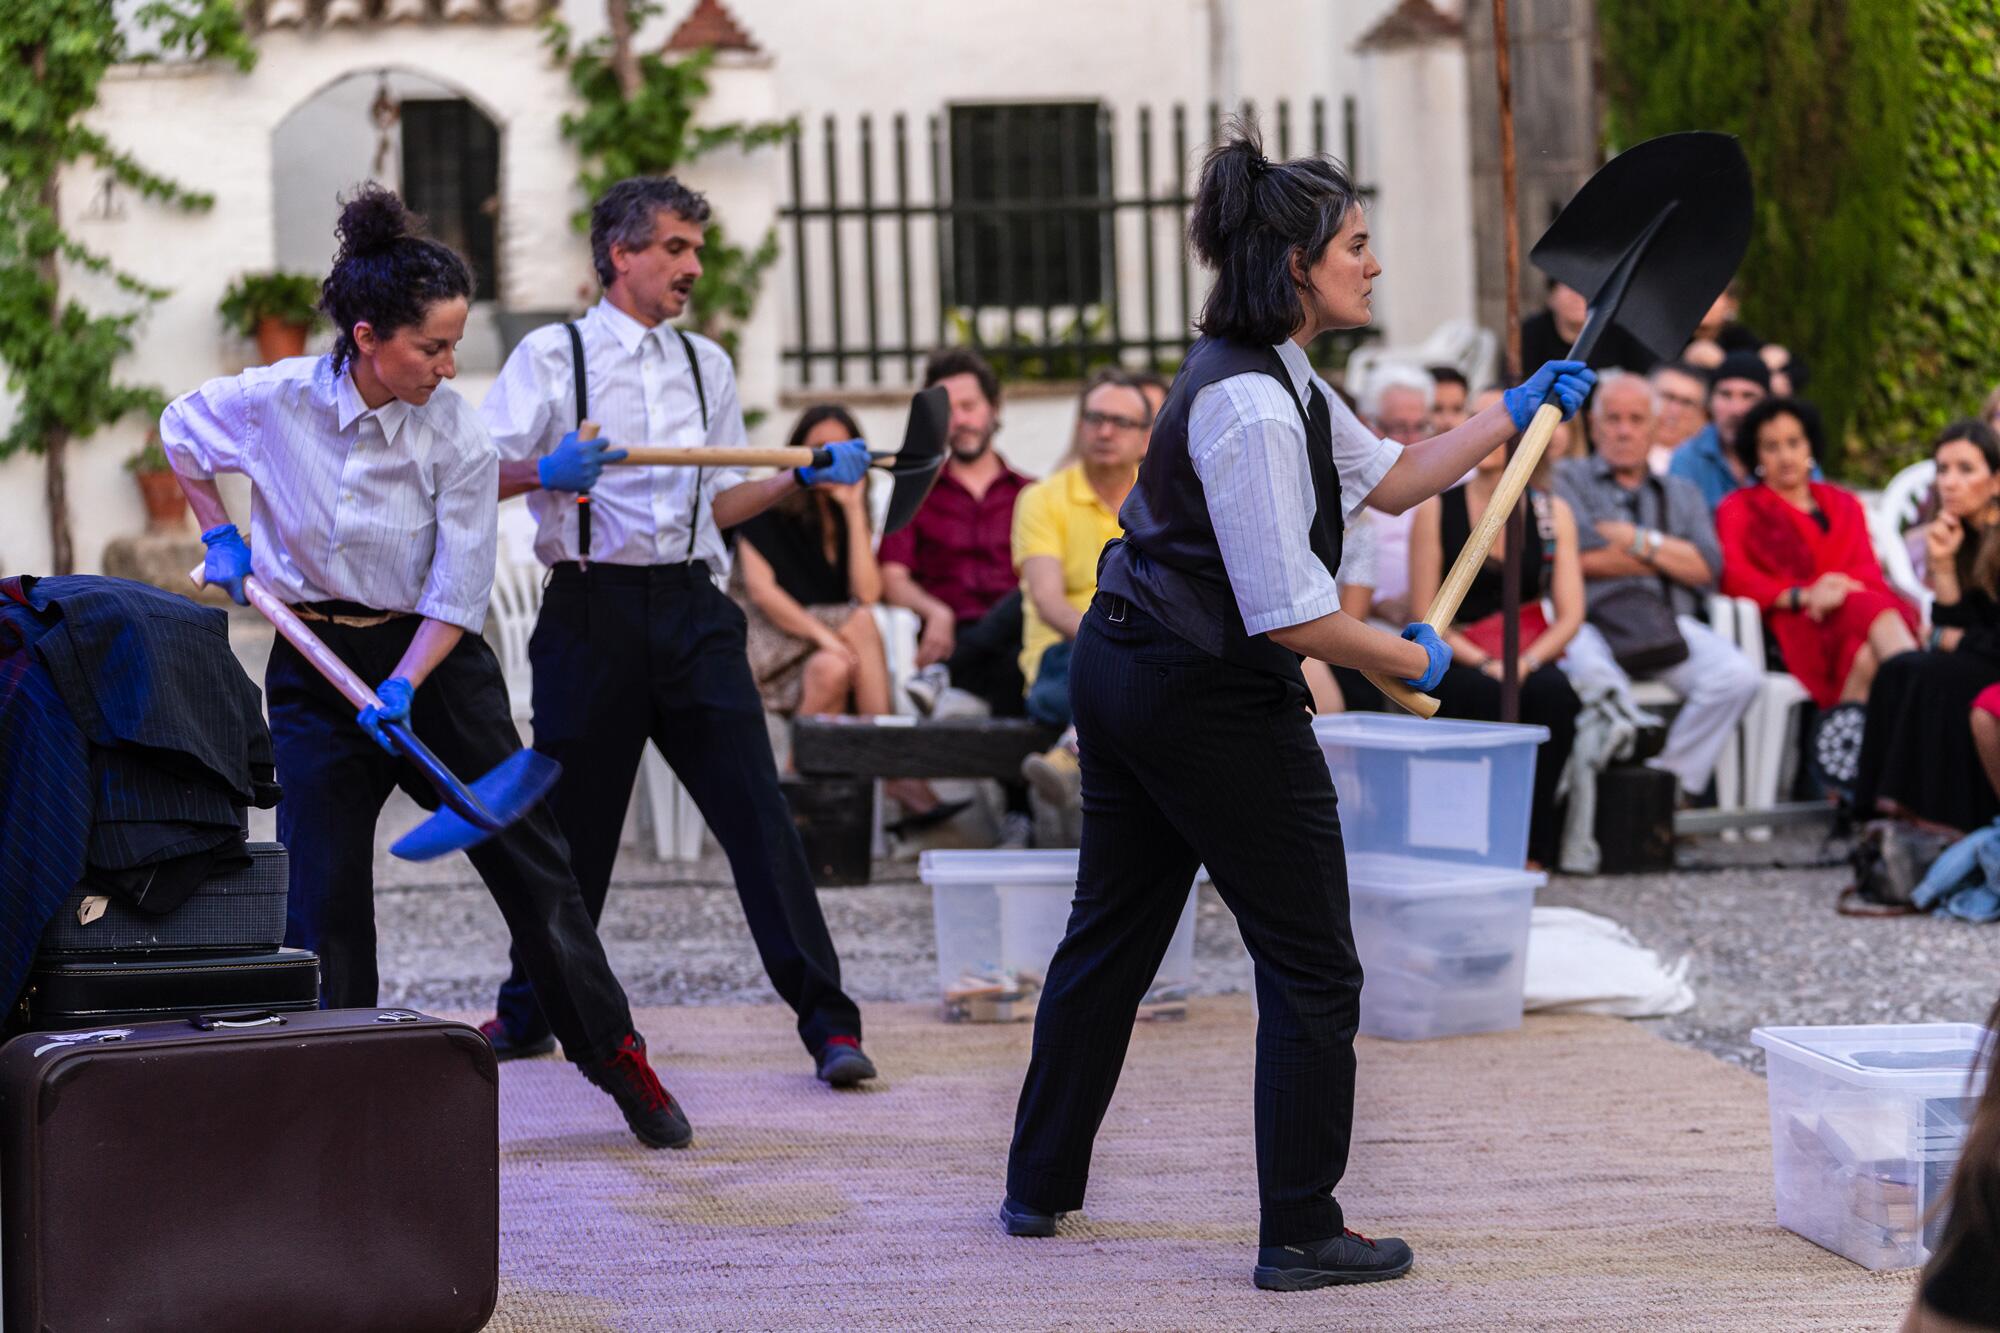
column 1638, row 623
column 1639, row 626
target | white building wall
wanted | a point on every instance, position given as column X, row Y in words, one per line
column 213, row 129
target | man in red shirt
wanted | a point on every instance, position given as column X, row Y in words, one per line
column 954, row 564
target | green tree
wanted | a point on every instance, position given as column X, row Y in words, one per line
column 1823, row 95
column 638, row 119
column 61, row 357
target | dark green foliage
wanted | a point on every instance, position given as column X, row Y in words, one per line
column 59, row 356
column 253, row 297
column 651, row 133
column 1824, row 95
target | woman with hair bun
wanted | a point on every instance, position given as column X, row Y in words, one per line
column 1192, row 716
column 373, row 516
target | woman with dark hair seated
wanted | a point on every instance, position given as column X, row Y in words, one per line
column 1917, row 754
column 807, row 579
column 1799, row 548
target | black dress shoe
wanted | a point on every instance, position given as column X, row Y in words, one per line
column 1337, row 1261
column 929, row 819
column 649, row 1109
column 506, row 1048
column 1021, row 1220
column 842, row 1063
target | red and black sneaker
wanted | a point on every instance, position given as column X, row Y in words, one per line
column 649, row 1109
column 842, row 1062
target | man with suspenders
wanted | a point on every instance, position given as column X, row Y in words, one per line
column 635, row 639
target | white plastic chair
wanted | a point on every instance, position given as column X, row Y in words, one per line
column 1729, row 765
column 1889, row 517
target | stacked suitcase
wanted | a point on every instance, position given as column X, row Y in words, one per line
column 188, row 1141
column 102, row 962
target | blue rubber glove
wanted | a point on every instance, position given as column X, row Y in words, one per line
column 395, row 696
column 1568, row 382
column 849, row 464
column 1435, row 648
column 574, row 464
column 227, row 563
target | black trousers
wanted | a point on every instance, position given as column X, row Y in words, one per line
column 336, row 779
column 622, row 653
column 986, row 658
column 1189, row 760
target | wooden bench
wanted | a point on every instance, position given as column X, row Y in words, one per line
column 906, row 747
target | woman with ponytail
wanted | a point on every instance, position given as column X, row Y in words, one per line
column 373, row 510
column 1192, row 715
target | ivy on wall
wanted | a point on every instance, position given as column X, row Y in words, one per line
column 1824, row 96
column 638, row 119
column 61, row 356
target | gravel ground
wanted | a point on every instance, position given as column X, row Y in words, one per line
column 1755, row 919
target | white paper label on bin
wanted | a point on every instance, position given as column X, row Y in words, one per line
column 1447, row 803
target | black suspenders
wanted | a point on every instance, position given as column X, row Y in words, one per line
column 582, row 410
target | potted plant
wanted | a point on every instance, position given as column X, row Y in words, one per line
column 166, row 505
column 278, row 309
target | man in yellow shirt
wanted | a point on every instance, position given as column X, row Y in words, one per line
column 1061, row 525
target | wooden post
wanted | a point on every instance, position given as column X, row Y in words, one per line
column 1516, row 533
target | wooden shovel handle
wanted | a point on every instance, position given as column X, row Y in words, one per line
column 286, row 622
column 1444, row 607
column 645, row 455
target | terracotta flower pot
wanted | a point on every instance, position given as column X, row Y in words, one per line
column 166, row 505
column 278, row 339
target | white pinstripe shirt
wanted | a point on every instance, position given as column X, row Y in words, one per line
column 1248, row 446
column 391, row 507
column 639, row 391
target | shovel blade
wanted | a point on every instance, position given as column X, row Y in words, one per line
column 1702, row 180
column 507, row 791
column 921, row 458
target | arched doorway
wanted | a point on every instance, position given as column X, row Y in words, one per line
column 422, row 138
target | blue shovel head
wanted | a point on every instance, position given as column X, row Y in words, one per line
column 506, row 792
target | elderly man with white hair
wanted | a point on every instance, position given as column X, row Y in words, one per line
column 1649, row 554
column 1397, row 404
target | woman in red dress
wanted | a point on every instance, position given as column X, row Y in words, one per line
column 1799, row 548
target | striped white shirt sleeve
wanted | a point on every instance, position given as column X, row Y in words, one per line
column 205, row 432
column 460, row 580
column 1248, row 446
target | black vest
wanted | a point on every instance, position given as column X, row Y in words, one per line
column 1168, row 564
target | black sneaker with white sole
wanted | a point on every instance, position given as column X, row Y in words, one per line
column 1339, row 1260
column 842, row 1063
column 1021, row 1220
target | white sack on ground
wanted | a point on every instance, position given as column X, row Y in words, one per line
column 1582, row 963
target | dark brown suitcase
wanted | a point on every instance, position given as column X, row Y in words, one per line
column 335, row 1169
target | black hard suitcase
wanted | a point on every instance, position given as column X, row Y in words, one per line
column 92, row 991
column 242, row 910
column 335, row 1169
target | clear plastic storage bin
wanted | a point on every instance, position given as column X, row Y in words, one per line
column 1866, row 1125
column 1443, row 946
column 1432, row 788
column 1000, row 916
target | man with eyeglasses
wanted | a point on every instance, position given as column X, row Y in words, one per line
column 1682, row 393
column 1061, row 526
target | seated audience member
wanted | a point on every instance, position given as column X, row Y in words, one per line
column 1711, row 460
column 1681, row 392
column 1918, row 754
column 954, row 564
column 1154, row 385
column 1343, row 689
column 1398, row 407
column 1061, row 526
column 1719, row 325
column 1450, row 398
column 806, row 578
column 1800, row 549
column 1548, row 334
column 1548, row 568
column 1648, row 552
column 1959, row 1290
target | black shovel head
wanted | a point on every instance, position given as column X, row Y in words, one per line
column 921, row 458
column 1701, row 181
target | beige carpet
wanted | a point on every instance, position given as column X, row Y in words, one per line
column 1580, row 1173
